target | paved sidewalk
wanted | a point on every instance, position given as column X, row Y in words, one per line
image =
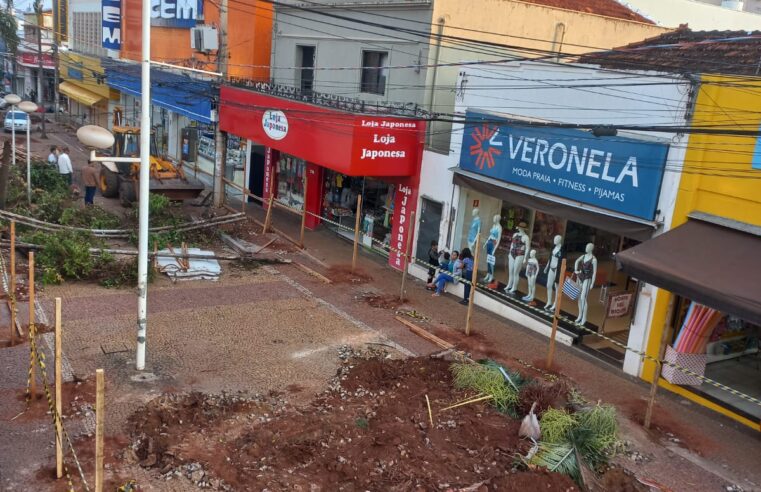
column 691, row 448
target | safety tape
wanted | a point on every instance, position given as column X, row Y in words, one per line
column 57, row 420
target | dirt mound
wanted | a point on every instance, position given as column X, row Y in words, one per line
column 381, row 301
column 370, row 431
column 342, row 274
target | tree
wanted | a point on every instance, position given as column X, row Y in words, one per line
column 5, row 170
column 9, row 30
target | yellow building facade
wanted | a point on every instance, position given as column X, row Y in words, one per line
column 718, row 179
column 83, row 82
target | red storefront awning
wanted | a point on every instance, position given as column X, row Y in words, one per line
column 352, row 144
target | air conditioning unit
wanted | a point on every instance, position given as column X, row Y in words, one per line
column 204, row 38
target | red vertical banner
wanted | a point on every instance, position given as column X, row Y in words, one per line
column 405, row 201
column 315, row 193
column 270, row 160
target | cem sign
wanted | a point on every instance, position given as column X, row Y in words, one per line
column 615, row 173
column 176, row 13
column 111, row 12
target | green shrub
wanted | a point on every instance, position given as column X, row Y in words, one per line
column 557, row 425
column 92, row 217
column 486, row 380
column 65, row 255
column 122, row 274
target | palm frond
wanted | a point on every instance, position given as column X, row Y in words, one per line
column 559, row 458
column 486, row 380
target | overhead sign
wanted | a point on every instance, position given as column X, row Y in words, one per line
column 615, row 173
column 111, row 12
column 176, row 13
column 275, row 124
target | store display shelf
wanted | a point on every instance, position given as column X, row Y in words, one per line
column 733, row 355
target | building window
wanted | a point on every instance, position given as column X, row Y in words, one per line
column 305, row 60
column 374, row 70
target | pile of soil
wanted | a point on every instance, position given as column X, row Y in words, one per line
column 369, row 431
column 382, row 301
column 342, row 274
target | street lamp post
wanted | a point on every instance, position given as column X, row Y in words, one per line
column 13, row 100
column 28, row 107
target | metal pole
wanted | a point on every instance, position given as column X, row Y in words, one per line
column 58, row 392
column 357, row 222
column 100, row 407
column 28, row 161
column 40, row 65
column 304, row 210
column 220, row 160
column 13, row 131
column 145, row 155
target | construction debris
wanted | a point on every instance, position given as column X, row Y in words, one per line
column 189, row 265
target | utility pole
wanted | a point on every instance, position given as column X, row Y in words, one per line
column 40, row 65
column 57, row 37
column 220, row 160
column 145, row 176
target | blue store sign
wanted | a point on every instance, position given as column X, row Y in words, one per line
column 176, row 13
column 111, row 24
column 615, row 173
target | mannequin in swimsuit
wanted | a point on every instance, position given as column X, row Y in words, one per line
column 475, row 229
column 552, row 271
column 532, row 271
column 515, row 259
column 495, row 234
column 586, row 270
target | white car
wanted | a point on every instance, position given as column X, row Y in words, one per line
column 19, row 119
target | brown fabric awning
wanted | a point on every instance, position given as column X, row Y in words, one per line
column 577, row 212
column 713, row 265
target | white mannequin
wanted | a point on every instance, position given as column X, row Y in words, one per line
column 552, row 271
column 532, row 271
column 518, row 248
column 495, row 234
column 586, row 270
column 475, row 229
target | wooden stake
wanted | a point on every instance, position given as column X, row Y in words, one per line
column 13, row 281
column 99, row 418
column 32, row 330
column 303, row 213
column 410, row 232
column 58, row 402
column 356, row 233
column 268, row 217
column 430, row 414
column 659, row 365
column 472, row 286
column 556, row 316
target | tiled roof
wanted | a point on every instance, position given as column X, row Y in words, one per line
column 608, row 8
column 687, row 51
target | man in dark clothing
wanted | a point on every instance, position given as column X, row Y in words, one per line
column 433, row 259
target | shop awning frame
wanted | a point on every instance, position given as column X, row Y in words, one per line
column 624, row 225
column 80, row 94
column 708, row 263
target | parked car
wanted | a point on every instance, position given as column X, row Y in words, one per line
column 19, row 119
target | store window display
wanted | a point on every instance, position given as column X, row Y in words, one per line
column 552, row 271
column 585, row 270
column 518, row 246
column 290, row 181
column 340, row 204
column 491, row 245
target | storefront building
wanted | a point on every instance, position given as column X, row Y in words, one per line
column 83, row 83
column 321, row 158
column 707, row 266
column 536, row 194
column 181, row 113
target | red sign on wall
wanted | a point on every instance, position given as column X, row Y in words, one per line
column 405, row 201
column 351, row 144
column 32, row 60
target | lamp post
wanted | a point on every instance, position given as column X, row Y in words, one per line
column 28, row 107
column 13, row 100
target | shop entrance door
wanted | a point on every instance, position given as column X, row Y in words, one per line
column 430, row 225
column 256, row 173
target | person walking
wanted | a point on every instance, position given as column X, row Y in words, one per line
column 467, row 272
column 64, row 164
column 53, row 156
column 90, row 180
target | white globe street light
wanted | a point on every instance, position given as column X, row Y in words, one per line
column 28, row 107
column 13, row 100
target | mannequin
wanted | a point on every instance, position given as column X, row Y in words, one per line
column 475, row 229
column 532, row 271
column 552, row 271
column 585, row 269
column 495, row 234
column 515, row 259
